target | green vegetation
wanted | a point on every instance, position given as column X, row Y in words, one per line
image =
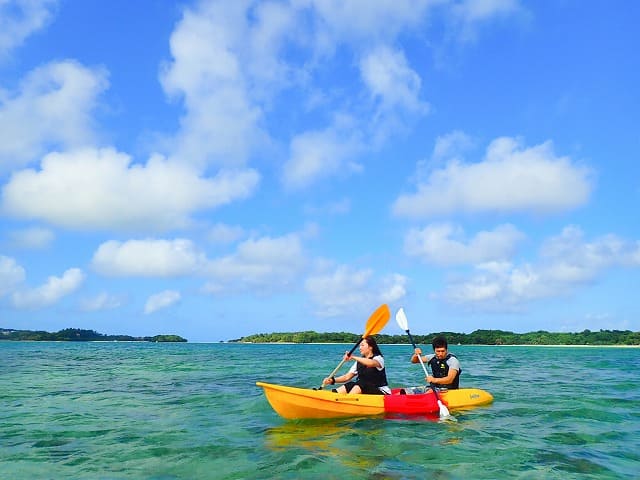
column 79, row 335
column 477, row 337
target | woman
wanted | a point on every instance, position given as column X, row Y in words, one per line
column 369, row 368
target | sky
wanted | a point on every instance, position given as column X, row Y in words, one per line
column 215, row 169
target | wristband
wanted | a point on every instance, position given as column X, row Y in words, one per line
column 333, row 380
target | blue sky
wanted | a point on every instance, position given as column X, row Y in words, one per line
column 217, row 169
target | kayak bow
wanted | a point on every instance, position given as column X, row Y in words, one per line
column 298, row 403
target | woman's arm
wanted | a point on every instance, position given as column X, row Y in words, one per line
column 340, row 379
column 367, row 362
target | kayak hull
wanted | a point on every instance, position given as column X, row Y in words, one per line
column 299, row 403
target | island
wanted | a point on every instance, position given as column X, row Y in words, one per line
column 477, row 337
column 80, row 335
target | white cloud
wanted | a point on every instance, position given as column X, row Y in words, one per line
column 161, row 300
column 569, row 258
column 468, row 15
column 346, row 290
column 444, row 244
column 566, row 262
column 478, row 10
column 100, row 189
column 364, row 21
column 264, row 264
column 53, row 107
column 324, row 153
column 19, row 19
column 11, row 275
column 389, row 78
column 148, row 258
column 510, row 178
column 102, row 301
column 31, row 238
column 221, row 124
column 451, row 146
column 221, row 233
column 49, row 293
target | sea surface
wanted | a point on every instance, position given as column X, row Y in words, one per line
column 192, row 411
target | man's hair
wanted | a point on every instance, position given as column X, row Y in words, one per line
column 439, row 342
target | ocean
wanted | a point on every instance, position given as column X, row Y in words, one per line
column 192, row 411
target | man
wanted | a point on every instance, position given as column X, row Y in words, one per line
column 444, row 365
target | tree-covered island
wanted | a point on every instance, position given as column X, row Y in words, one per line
column 477, row 337
column 79, row 335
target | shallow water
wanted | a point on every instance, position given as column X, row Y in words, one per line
column 192, row 411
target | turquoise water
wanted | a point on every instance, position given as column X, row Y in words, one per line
column 192, row 411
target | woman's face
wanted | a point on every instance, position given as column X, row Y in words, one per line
column 365, row 349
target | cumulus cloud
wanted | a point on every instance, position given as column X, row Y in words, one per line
column 468, row 15
column 389, row 78
column 148, row 258
column 19, row 19
column 451, row 146
column 262, row 264
column 358, row 21
column 510, row 178
column 161, row 300
column 221, row 233
column 11, row 275
column 101, row 189
column 101, row 301
column 229, row 63
column 51, row 291
column 322, row 153
column 31, row 238
column 346, row 290
column 565, row 262
column 221, row 124
column 53, row 106
column 444, row 244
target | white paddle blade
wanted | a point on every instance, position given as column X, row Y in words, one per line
column 444, row 411
column 401, row 319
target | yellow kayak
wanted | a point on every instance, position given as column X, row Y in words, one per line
column 298, row 403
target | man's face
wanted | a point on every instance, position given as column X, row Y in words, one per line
column 440, row 352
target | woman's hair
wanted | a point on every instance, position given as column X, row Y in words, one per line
column 439, row 342
column 373, row 344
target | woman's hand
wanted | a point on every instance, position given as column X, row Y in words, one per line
column 329, row 381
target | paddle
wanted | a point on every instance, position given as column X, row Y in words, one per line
column 376, row 322
column 403, row 323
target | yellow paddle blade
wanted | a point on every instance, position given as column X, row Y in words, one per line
column 377, row 320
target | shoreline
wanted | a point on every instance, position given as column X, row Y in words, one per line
column 451, row 346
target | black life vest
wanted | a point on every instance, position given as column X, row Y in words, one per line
column 371, row 376
column 440, row 369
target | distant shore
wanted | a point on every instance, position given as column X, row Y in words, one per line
column 477, row 337
column 79, row 335
column 450, row 345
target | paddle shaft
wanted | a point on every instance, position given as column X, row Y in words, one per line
column 353, row 349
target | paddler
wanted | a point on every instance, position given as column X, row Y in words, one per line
column 369, row 368
column 444, row 365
